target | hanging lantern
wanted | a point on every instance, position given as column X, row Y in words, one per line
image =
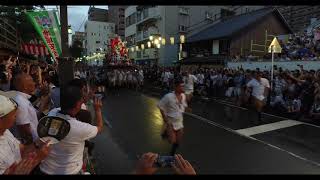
column 149, row 44
column 142, row 46
column 182, row 39
column 172, row 40
column 163, row 41
column 158, row 46
column 160, row 38
column 150, row 38
column 132, row 49
column 137, row 48
column 156, row 41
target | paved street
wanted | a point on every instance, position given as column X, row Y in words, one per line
column 219, row 139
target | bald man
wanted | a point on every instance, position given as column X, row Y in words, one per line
column 27, row 119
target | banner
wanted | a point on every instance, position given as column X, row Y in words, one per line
column 47, row 25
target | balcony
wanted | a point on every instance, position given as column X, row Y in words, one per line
column 8, row 36
column 146, row 54
column 144, row 35
column 184, row 11
column 148, row 15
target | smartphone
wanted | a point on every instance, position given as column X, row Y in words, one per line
column 164, row 161
column 99, row 96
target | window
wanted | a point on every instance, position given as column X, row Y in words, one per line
column 98, row 42
column 127, row 22
column 138, row 16
column 182, row 28
column 145, row 13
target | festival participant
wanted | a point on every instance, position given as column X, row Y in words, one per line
column 189, row 81
column 257, row 89
column 172, row 106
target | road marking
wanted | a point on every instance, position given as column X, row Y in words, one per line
column 268, row 127
column 252, row 138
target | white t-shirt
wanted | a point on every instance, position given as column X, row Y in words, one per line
column 200, row 78
column 9, row 151
column 170, row 105
column 26, row 114
column 189, row 82
column 166, row 76
column 257, row 89
column 265, row 82
column 66, row 157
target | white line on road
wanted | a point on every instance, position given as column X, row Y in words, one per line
column 268, row 127
column 252, row 138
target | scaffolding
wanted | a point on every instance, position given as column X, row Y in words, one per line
column 261, row 48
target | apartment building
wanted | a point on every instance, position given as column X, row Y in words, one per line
column 98, row 35
column 116, row 16
column 170, row 22
column 97, row 14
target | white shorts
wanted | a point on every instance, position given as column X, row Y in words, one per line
column 177, row 124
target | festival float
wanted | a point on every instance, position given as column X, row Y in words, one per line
column 117, row 54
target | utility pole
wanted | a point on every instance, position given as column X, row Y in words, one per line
column 65, row 61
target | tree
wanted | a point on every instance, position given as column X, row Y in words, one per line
column 76, row 49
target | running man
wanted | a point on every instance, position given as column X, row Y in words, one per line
column 189, row 81
column 172, row 106
column 258, row 91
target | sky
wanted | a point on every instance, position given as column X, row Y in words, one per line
column 77, row 15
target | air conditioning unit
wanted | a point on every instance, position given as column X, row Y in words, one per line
column 184, row 11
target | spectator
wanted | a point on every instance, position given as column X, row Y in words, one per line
column 27, row 115
column 16, row 158
column 66, row 156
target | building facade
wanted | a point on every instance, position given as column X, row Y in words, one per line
column 97, row 14
column 79, row 36
column 236, row 36
column 98, row 35
column 170, row 22
column 116, row 16
column 300, row 17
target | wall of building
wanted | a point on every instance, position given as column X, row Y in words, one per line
column 97, row 14
column 168, row 26
column 256, row 32
column 117, row 16
column 98, row 35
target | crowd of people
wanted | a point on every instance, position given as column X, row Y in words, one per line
column 295, row 94
column 125, row 78
column 31, row 91
column 300, row 46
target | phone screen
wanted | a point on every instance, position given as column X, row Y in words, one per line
column 165, row 161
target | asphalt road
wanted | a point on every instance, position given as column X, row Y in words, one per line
column 211, row 143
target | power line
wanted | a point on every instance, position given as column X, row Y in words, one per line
column 85, row 18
